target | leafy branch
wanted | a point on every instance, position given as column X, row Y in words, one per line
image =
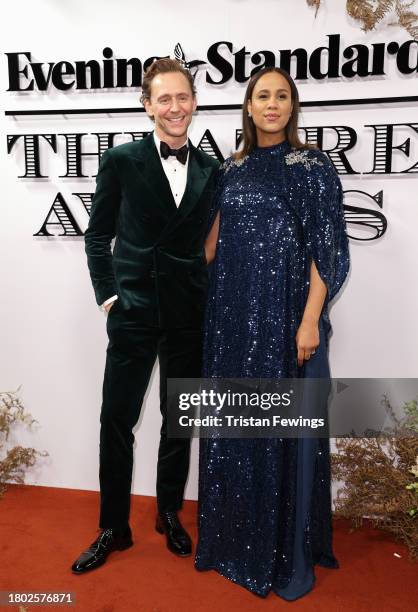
column 377, row 478
column 18, row 459
column 371, row 12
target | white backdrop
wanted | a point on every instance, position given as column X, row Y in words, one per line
column 53, row 337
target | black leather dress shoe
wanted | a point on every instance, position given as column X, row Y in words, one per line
column 178, row 540
column 97, row 553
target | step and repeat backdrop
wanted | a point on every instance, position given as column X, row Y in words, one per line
column 70, row 87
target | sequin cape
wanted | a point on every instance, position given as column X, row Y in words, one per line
column 279, row 209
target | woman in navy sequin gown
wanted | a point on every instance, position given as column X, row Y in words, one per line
column 281, row 256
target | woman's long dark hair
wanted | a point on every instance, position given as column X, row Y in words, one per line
column 249, row 134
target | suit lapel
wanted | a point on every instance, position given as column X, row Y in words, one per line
column 197, row 177
column 152, row 173
column 149, row 165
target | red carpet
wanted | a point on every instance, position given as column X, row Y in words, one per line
column 42, row 530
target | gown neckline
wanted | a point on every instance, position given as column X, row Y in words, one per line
column 281, row 146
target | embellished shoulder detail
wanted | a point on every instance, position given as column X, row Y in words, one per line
column 303, row 157
column 232, row 162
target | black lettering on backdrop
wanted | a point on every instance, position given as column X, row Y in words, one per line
column 383, row 148
column 122, row 69
column 91, row 69
column 360, row 218
column 403, row 57
column 86, row 200
column 75, row 153
column 359, row 61
column 208, row 145
column 61, row 70
column 240, row 56
column 301, row 56
column 60, row 217
column 357, row 217
column 332, row 53
column 378, row 59
column 32, row 151
column 326, row 61
column 346, row 140
column 262, row 59
column 220, row 63
column 88, row 74
column 60, row 221
column 238, row 137
column 15, row 70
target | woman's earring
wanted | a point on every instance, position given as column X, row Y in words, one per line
column 249, row 114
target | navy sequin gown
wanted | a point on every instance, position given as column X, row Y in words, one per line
column 264, row 504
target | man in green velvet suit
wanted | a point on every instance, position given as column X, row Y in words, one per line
column 154, row 196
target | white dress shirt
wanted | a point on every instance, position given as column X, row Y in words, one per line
column 176, row 174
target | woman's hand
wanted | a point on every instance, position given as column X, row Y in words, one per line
column 307, row 340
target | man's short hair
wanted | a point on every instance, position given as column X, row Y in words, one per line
column 161, row 66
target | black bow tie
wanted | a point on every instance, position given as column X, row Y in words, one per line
column 180, row 154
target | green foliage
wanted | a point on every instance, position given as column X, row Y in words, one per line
column 18, row 459
column 411, row 411
column 371, row 12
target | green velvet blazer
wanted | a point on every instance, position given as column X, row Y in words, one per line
column 158, row 266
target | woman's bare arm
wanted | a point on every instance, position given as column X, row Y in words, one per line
column 211, row 240
column 307, row 337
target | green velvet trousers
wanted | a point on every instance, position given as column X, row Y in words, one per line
column 131, row 354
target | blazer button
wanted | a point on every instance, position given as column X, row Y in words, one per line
column 152, row 273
